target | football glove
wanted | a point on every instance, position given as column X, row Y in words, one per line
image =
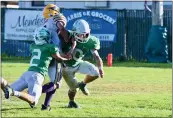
column 60, row 18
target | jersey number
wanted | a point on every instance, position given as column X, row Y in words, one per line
column 36, row 56
column 78, row 54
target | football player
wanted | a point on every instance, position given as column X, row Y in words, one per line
column 55, row 22
column 85, row 43
column 42, row 54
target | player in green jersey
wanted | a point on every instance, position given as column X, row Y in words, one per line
column 85, row 43
column 55, row 22
column 42, row 54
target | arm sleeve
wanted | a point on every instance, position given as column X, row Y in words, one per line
column 54, row 49
column 96, row 44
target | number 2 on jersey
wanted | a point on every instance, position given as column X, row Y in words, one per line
column 36, row 56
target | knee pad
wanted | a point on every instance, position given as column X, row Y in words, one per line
column 47, row 87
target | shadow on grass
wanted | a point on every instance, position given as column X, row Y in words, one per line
column 141, row 64
column 115, row 63
column 15, row 61
column 66, row 107
column 14, row 109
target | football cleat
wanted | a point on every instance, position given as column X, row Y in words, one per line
column 43, row 107
column 32, row 106
column 8, row 91
column 83, row 88
column 73, row 104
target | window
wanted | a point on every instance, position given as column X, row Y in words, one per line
column 90, row 4
column 37, row 3
column 97, row 4
column 103, row 4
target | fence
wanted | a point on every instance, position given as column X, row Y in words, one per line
column 132, row 26
column 136, row 24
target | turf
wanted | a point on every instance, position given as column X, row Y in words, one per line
column 128, row 89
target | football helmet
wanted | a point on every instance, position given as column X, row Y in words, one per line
column 41, row 36
column 81, row 31
column 50, row 10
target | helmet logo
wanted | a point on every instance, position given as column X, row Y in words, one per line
column 50, row 15
column 53, row 8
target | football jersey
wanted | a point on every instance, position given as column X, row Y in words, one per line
column 80, row 50
column 41, row 57
column 51, row 26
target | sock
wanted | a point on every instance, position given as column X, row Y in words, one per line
column 82, row 84
column 17, row 94
column 48, row 87
column 48, row 98
column 71, row 95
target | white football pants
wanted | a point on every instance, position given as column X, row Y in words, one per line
column 31, row 80
column 83, row 68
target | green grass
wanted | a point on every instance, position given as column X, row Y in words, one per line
column 127, row 90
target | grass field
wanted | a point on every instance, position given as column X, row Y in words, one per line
column 127, row 90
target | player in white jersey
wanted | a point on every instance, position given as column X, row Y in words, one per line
column 55, row 23
column 54, row 27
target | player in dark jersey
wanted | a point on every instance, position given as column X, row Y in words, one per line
column 42, row 54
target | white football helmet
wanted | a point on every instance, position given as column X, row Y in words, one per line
column 41, row 36
column 81, row 31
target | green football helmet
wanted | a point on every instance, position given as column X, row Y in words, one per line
column 41, row 36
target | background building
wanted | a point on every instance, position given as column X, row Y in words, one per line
column 122, row 27
column 91, row 4
column 9, row 4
